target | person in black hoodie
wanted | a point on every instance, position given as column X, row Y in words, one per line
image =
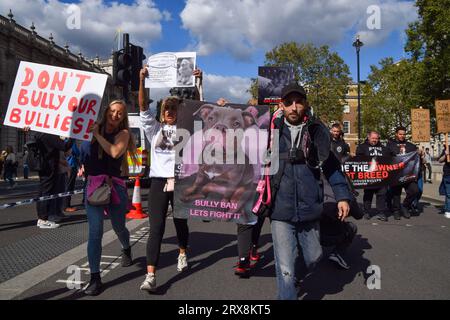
column 339, row 147
column 372, row 147
column 400, row 146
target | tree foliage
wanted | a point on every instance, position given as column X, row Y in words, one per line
column 429, row 44
column 389, row 95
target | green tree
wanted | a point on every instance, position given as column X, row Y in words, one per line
column 323, row 73
column 429, row 44
column 389, row 95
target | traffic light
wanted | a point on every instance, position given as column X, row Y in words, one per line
column 121, row 68
column 127, row 62
column 137, row 55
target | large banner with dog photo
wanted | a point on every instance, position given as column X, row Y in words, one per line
column 219, row 155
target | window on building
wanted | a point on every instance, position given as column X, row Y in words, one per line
column 346, row 127
column 346, row 108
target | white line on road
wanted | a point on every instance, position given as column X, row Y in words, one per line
column 19, row 284
column 70, row 281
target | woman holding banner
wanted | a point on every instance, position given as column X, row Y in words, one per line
column 162, row 173
column 106, row 164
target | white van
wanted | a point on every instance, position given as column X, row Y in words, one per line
column 142, row 168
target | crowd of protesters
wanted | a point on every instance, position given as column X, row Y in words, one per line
column 302, row 219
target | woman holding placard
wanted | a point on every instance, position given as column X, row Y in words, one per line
column 161, row 136
column 106, row 164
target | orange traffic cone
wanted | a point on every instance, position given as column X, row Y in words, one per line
column 137, row 212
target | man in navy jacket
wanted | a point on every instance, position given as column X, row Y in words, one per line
column 304, row 150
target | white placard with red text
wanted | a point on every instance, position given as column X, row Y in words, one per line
column 59, row 101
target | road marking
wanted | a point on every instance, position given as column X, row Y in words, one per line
column 137, row 236
column 71, row 282
column 21, row 283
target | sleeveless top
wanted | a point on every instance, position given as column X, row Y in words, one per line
column 106, row 165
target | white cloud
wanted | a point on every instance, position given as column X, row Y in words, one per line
column 241, row 27
column 231, row 88
column 167, row 15
column 100, row 21
column 393, row 16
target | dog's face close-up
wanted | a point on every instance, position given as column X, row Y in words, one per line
column 223, row 118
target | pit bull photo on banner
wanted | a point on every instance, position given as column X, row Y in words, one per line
column 219, row 156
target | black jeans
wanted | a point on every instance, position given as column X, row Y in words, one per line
column 380, row 202
column 47, row 186
column 70, row 186
column 158, row 205
column 412, row 190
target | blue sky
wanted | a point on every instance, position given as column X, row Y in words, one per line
column 221, row 63
column 230, row 37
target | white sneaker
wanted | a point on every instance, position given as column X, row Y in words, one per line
column 182, row 262
column 45, row 224
column 447, row 215
column 149, row 283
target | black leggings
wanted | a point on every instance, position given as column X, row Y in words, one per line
column 244, row 239
column 248, row 236
column 158, row 205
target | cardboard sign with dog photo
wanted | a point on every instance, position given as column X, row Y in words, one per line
column 219, row 156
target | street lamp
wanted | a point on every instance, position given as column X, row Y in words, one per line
column 358, row 44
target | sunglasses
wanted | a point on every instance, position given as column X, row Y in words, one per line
column 289, row 101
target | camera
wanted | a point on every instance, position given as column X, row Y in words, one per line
column 296, row 155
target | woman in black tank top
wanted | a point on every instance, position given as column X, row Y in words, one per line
column 107, row 161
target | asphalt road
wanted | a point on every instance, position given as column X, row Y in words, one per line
column 413, row 257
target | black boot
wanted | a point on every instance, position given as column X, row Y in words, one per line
column 95, row 285
column 127, row 260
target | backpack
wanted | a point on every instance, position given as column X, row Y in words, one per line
column 35, row 155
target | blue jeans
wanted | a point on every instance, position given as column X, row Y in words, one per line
column 288, row 239
column 9, row 176
column 95, row 217
column 419, row 195
column 447, row 192
column 26, row 171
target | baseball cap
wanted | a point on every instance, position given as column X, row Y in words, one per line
column 291, row 88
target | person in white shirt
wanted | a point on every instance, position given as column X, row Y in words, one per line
column 162, row 172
